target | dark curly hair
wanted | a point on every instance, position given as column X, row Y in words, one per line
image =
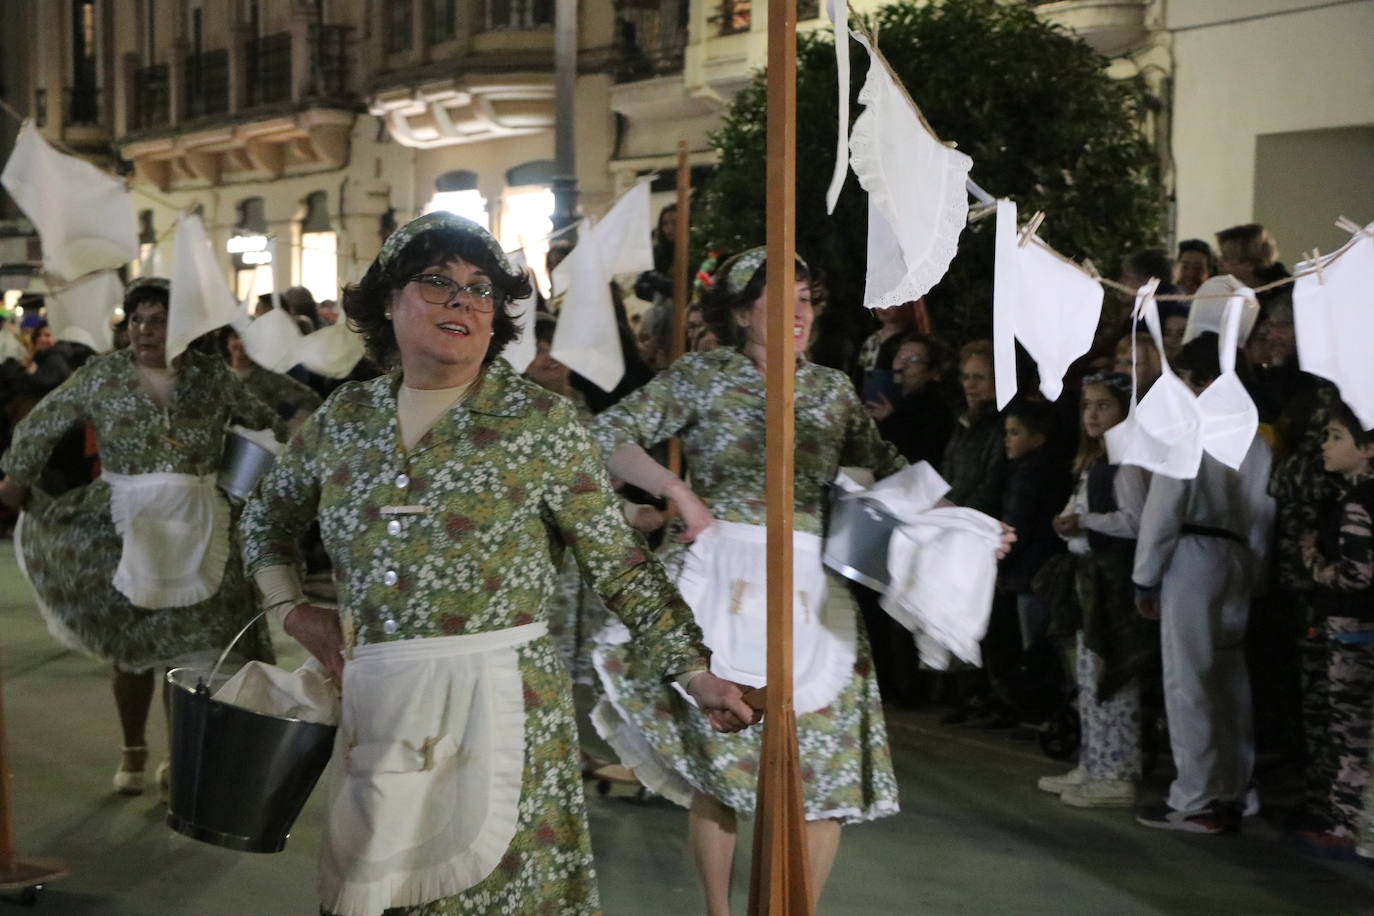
column 366, row 302
column 719, row 305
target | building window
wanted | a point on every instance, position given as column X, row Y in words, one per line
column 319, row 249
column 519, row 14
column 527, row 214
column 733, row 16
column 443, row 21
column 398, row 26
column 457, row 192
column 83, row 101
column 253, row 269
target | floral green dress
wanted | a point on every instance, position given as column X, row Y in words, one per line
column 714, row 402
column 282, row 393
column 70, row 545
column 507, row 481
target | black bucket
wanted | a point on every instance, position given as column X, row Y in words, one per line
column 238, row 778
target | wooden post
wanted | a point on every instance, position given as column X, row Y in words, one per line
column 780, row 885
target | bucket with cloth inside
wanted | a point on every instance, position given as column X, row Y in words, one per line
column 248, row 454
column 246, row 750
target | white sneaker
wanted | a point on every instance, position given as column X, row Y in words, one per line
column 1056, row 785
column 1104, row 794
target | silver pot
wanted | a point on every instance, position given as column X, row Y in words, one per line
column 856, row 537
column 244, row 464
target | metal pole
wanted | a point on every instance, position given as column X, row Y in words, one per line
column 565, row 83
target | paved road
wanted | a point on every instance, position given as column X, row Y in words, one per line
column 973, row 837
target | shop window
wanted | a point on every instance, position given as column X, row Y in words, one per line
column 319, row 249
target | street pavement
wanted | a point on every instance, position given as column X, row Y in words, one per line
column 974, row 835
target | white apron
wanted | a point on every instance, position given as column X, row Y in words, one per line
column 724, row 581
column 176, row 537
column 424, row 792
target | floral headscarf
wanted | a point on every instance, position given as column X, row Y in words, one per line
column 442, row 219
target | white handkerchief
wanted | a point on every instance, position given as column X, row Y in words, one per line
column 1209, row 305
column 273, row 340
column 1163, row 431
column 1229, row 417
column 84, row 310
column 917, row 202
column 332, row 351
column 587, row 339
column 625, row 233
column 83, row 215
column 200, row 297
column 1048, row 303
column 1332, row 317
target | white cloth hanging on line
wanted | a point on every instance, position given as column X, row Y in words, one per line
column 1167, row 431
column 587, row 339
column 83, row 215
column 200, row 299
column 1048, row 303
column 917, row 197
column 838, row 10
column 1333, row 321
column 273, row 340
column 83, row 311
column 1209, row 305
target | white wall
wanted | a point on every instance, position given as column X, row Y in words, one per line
column 1247, row 68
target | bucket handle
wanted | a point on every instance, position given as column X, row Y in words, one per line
column 229, row 648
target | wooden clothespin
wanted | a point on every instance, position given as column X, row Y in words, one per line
column 1090, row 269
column 1317, row 266
column 1030, row 228
column 1349, row 225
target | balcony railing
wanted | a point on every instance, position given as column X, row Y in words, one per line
column 329, row 55
column 82, row 105
column 207, row 83
column 650, row 38
column 267, row 69
column 151, row 98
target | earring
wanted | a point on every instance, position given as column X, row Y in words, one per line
column 386, row 315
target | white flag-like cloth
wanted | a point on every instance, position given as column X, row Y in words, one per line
column 83, row 215
column 520, row 352
column 1048, row 303
column 588, row 339
column 200, row 297
column 838, row 11
column 273, row 340
column 1333, row 321
column 83, row 311
column 332, row 351
column 917, row 201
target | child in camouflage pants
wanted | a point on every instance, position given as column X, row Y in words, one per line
column 1339, row 555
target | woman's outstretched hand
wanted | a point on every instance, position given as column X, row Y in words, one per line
column 317, row 628
column 723, row 702
column 692, row 510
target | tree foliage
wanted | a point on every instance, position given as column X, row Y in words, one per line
column 1030, row 103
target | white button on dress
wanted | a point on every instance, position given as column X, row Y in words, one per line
column 389, row 578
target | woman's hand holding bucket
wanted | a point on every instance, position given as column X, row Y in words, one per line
column 317, row 628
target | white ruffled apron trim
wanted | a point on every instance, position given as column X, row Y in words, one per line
column 724, row 581
column 175, row 529
column 425, row 782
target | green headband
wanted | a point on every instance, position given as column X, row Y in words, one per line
column 441, row 219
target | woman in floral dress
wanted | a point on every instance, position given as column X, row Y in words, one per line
column 714, row 402
column 447, row 493
column 149, row 419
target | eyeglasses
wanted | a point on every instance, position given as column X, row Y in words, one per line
column 911, row 361
column 437, row 290
column 149, row 321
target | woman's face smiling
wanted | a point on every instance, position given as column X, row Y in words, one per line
column 442, row 346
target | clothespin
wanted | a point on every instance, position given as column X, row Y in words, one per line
column 1317, row 266
column 1090, row 269
column 426, row 752
column 1349, row 225
column 1031, row 226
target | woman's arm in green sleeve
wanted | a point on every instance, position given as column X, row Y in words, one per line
column 285, row 501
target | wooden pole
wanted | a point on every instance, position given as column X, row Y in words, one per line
column 780, row 885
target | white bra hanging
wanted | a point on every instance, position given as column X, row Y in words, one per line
column 1167, row 431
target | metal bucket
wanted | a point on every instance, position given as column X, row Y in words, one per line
column 244, row 463
column 857, row 532
column 238, row 778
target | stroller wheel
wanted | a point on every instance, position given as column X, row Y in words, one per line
column 1060, row 738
